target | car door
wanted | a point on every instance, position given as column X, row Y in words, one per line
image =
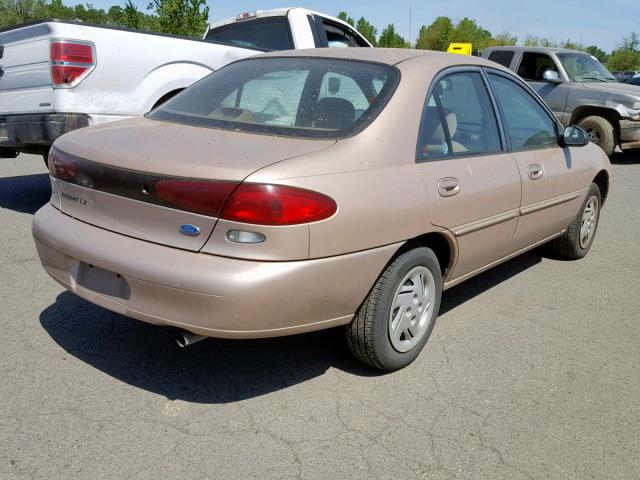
column 472, row 183
column 552, row 181
column 532, row 67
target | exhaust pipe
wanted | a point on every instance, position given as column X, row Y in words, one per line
column 184, row 339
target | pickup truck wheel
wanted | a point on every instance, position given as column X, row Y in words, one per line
column 600, row 132
column 576, row 241
column 397, row 317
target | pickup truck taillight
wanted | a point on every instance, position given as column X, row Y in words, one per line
column 71, row 61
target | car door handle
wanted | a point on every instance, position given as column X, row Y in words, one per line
column 448, row 187
column 535, row 171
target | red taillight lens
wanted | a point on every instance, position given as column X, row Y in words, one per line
column 66, row 75
column 206, row 198
column 61, row 166
column 277, row 205
column 71, row 52
column 69, row 61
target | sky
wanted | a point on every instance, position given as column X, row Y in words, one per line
column 599, row 22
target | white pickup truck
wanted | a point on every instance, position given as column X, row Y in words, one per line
column 60, row 76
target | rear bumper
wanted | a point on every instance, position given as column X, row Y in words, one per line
column 35, row 132
column 629, row 131
column 205, row 294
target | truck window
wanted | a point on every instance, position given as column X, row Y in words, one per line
column 533, row 66
column 503, row 57
column 270, row 33
column 338, row 36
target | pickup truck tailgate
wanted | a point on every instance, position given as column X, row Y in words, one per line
column 25, row 77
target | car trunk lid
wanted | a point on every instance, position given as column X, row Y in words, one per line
column 142, row 177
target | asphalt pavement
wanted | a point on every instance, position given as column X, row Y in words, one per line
column 532, row 372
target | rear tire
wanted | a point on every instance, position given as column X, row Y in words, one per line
column 601, row 132
column 576, row 242
column 397, row 317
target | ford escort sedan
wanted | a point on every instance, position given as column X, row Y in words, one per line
column 297, row 191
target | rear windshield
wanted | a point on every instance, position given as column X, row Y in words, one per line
column 301, row 97
column 271, row 33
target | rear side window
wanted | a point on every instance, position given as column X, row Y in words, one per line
column 528, row 124
column 503, row 57
column 271, row 33
column 533, row 66
column 459, row 119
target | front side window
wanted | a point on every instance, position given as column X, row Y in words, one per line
column 584, row 68
column 306, row 97
column 528, row 124
column 533, row 66
column 458, row 119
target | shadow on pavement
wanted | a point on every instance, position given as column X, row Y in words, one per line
column 489, row 279
column 212, row 371
column 216, row 370
column 26, row 193
column 628, row 157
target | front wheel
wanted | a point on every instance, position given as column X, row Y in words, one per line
column 397, row 317
column 577, row 240
column 600, row 132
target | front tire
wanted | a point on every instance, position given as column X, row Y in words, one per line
column 600, row 132
column 397, row 317
column 576, row 242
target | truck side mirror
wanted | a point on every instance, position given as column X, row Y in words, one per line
column 551, row 76
column 574, row 136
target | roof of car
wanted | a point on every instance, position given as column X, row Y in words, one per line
column 536, row 49
column 390, row 56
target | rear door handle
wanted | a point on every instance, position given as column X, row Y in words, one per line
column 448, row 187
column 535, row 171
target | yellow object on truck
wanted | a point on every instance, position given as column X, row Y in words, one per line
column 460, row 48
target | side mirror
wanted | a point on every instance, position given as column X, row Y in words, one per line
column 551, row 76
column 574, row 136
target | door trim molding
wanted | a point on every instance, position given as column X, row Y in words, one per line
column 485, row 222
column 552, row 202
column 452, row 283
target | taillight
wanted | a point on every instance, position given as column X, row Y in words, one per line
column 70, row 61
column 61, row 166
column 206, row 198
column 277, row 205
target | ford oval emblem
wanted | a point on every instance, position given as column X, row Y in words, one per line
column 187, row 229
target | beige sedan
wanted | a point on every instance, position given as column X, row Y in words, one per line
column 297, row 191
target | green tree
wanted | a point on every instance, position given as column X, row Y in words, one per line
column 389, row 38
column 181, row 17
column 468, row 31
column 503, row 39
column 435, row 36
column 346, row 18
column 367, row 30
column 532, row 41
column 627, row 55
column 130, row 15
